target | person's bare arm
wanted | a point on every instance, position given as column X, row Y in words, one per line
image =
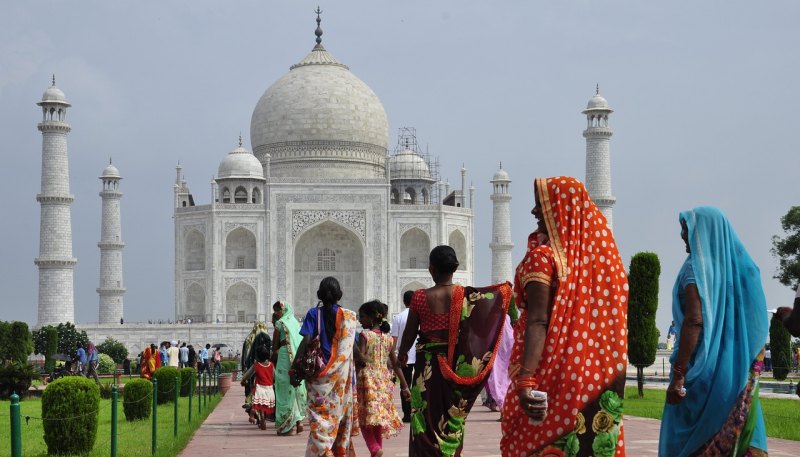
column 539, row 297
column 276, row 345
column 691, row 328
column 409, row 336
column 248, row 374
column 399, row 373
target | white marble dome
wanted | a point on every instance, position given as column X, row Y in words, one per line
column 408, row 164
column 240, row 164
column 110, row 172
column 597, row 102
column 54, row 94
column 320, row 120
column 500, row 175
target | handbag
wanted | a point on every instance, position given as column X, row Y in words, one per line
column 312, row 363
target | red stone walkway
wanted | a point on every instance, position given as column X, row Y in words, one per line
column 226, row 432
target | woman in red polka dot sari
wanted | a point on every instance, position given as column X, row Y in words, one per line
column 570, row 351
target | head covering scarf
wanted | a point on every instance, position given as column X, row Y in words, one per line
column 258, row 336
column 586, row 346
column 735, row 327
column 291, row 328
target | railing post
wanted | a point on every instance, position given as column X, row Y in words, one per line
column 175, row 414
column 155, row 414
column 191, row 394
column 16, row 427
column 114, row 420
column 199, row 392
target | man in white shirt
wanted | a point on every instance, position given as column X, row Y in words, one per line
column 184, row 352
column 174, row 354
column 398, row 327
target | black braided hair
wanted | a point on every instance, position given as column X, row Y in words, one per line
column 329, row 293
column 377, row 311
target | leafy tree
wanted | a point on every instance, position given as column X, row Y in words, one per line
column 780, row 344
column 114, row 349
column 69, row 338
column 642, row 305
column 787, row 249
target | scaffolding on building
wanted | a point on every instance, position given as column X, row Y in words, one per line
column 407, row 141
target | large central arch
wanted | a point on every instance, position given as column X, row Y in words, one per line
column 328, row 249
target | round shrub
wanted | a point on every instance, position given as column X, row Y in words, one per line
column 137, row 399
column 166, row 383
column 227, row 366
column 186, row 380
column 106, row 364
column 113, row 348
column 70, row 407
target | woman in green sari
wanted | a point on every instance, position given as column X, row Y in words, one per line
column 290, row 407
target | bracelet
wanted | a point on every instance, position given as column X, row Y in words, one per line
column 525, row 382
column 679, row 369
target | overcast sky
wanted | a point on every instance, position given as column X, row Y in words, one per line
column 704, row 93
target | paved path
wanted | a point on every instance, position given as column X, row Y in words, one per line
column 226, row 432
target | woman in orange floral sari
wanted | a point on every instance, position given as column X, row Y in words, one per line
column 149, row 362
column 570, row 351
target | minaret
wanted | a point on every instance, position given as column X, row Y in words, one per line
column 55, row 261
column 111, row 287
column 598, row 157
column 501, row 245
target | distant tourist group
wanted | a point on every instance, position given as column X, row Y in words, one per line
column 549, row 352
column 179, row 355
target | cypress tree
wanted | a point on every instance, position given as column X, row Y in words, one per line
column 642, row 305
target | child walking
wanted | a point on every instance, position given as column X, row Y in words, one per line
column 263, row 407
column 377, row 416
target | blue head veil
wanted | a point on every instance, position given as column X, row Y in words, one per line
column 735, row 327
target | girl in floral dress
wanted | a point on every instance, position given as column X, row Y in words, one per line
column 263, row 407
column 377, row 416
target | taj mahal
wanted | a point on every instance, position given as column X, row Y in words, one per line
column 321, row 193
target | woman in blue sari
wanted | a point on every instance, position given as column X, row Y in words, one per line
column 720, row 310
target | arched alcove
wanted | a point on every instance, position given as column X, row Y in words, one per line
column 195, row 302
column 457, row 241
column 415, row 246
column 240, row 249
column 240, row 196
column 240, row 301
column 194, row 251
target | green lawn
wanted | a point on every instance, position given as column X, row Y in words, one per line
column 134, row 438
column 780, row 416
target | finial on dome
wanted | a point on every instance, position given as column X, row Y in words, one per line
column 318, row 32
column 240, row 139
column 597, row 89
column 109, row 160
column 54, row 79
column 501, row 164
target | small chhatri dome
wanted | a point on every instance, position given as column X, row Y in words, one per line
column 110, row 171
column 54, row 95
column 597, row 101
column 500, row 175
column 407, row 164
column 240, row 164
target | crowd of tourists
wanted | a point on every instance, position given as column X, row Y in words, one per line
column 179, row 355
column 549, row 351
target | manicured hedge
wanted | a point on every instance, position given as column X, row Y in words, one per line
column 227, row 366
column 70, row 407
column 137, row 399
column 166, row 383
column 186, row 380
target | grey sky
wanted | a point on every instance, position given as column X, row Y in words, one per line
column 704, row 93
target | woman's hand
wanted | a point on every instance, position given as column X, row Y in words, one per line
column 406, row 394
column 403, row 359
column 533, row 403
column 676, row 392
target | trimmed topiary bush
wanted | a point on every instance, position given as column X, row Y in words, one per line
column 227, row 366
column 186, row 380
column 166, row 383
column 70, row 407
column 106, row 364
column 780, row 342
column 642, row 305
column 137, row 400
